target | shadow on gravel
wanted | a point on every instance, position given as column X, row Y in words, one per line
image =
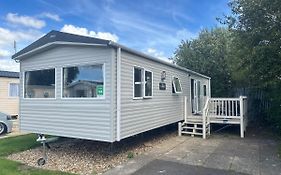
column 143, row 140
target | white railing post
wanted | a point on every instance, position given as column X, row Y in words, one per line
column 185, row 108
column 205, row 115
column 204, row 125
column 241, row 117
column 245, row 100
column 179, row 128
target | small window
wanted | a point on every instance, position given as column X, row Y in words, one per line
column 83, row 81
column 138, row 82
column 176, row 85
column 13, row 90
column 205, row 90
column 39, row 84
column 148, row 84
column 142, row 83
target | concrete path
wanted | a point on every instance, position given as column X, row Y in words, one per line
column 220, row 154
column 168, row 167
column 12, row 134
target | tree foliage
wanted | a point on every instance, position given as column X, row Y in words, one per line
column 208, row 54
column 244, row 54
column 256, row 26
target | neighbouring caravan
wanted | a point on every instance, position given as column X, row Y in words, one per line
column 82, row 87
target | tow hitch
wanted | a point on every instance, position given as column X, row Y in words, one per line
column 42, row 160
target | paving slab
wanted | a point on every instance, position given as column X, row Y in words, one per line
column 245, row 165
column 173, row 168
column 219, row 161
column 219, row 154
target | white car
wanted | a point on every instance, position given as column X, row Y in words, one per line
column 5, row 123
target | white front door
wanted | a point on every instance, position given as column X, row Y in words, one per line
column 195, row 96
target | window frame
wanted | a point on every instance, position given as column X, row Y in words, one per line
column 141, row 83
column 205, row 90
column 174, row 89
column 9, row 89
column 37, row 69
column 83, row 98
column 144, row 82
column 143, row 70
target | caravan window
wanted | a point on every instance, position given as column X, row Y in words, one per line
column 138, row 78
column 83, row 81
column 176, row 84
column 143, row 80
column 39, row 84
column 13, row 90
column 205, row 90
column 148, row 84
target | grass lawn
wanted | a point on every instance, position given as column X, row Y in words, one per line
column 17, row 144
column 9, row 167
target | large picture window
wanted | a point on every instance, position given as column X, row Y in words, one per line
column 39, row 84
column 83, row 81
column 143, row 80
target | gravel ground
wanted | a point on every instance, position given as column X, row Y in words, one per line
column 90, row 157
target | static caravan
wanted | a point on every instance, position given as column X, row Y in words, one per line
column 9, row 96
column 88, row 88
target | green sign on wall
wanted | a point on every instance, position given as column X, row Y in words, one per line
column 99, row 90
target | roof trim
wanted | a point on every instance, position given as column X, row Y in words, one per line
column 9, row 74
column 61, row 38
column 18, row 58
column 155, row 59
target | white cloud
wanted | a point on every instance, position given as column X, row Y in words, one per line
column 9, row 65
column 52, row 16
column 84, row 31
column 7, row 37
column 4, row 53
column 25, row 20
column 157, row 54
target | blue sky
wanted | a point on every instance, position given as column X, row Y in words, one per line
column 155, row 27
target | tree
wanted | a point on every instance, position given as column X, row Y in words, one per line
column 256, row 27
column 208, row 54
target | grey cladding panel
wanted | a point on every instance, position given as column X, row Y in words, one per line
column 139, row 115
column 87, row 118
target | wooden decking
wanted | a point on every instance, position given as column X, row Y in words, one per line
column 216, row 110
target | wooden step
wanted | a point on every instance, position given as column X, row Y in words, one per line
column 191, row 133
column 193, row 123
column 185, row 127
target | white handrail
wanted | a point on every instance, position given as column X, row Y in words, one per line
column 205, row 116
column 231, row 109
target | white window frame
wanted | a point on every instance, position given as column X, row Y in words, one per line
column 144, row 83
column 174, row 86
column 141, row 83
column 18, row 90
column 23, row 87
column 86, row 98
column 205, row 90
column 143, row 70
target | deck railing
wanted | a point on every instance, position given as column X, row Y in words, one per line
column 206, row 119
column 226, row 110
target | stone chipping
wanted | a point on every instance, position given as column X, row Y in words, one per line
column 91, row 157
